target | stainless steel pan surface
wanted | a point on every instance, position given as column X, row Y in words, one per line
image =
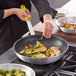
column 53, row 41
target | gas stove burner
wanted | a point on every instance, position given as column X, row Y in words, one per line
column 55, row 74
column 70, row 63
column 71, row 68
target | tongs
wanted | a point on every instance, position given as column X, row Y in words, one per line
column 28, row 22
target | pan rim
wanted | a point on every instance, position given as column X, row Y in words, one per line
column 41, row 35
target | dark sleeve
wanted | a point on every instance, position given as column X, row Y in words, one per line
column 1, row 15
column 43, row 7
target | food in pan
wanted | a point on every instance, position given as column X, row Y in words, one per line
column 40, row 51
column 68, row 25
column 13, row 72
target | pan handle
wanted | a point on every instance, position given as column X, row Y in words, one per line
column 29, row 24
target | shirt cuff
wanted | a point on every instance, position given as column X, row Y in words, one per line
column 1, row 15
column 50, row 11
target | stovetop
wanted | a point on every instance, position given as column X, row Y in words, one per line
column 64, row 67
column 41, row 69
column 68, row 67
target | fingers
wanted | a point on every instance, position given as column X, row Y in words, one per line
column 27, row 13
column 48, row 28
column 45, row 30
column 22, row 14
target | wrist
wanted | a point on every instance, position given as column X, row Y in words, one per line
column 14, row 10
column 47, row 17
column 8, row 12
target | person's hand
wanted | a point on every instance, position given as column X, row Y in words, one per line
column 21, row 14
column 48, row 26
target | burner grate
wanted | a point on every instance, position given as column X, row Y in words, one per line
column 70, row 63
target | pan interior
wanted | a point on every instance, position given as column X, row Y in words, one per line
column 53, row 41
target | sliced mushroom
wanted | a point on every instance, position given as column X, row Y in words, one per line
column 37, row 43
column 54, row 48
column 57, row 52
column 41, row 49
column 52, row 54
column 28, row 51
column 21, row 52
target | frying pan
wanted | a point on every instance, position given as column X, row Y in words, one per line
column 53, row 41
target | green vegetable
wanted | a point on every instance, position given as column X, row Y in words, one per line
column 42, row 37
column 17, row 71
column 35, row 47
column 35, row 55
column 3, row 72
column 30, row 49
column 30, row 55
column 22, row 74
column 7, row 71
column 51, row 50
column 44, row 53
column 31, row 52
column 13, row 71
column 25, row 50
column 18, row 74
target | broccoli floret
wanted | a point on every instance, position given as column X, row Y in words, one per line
column 13, row 71
column 3, row 72
column 17, row 71
column 23, row 74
